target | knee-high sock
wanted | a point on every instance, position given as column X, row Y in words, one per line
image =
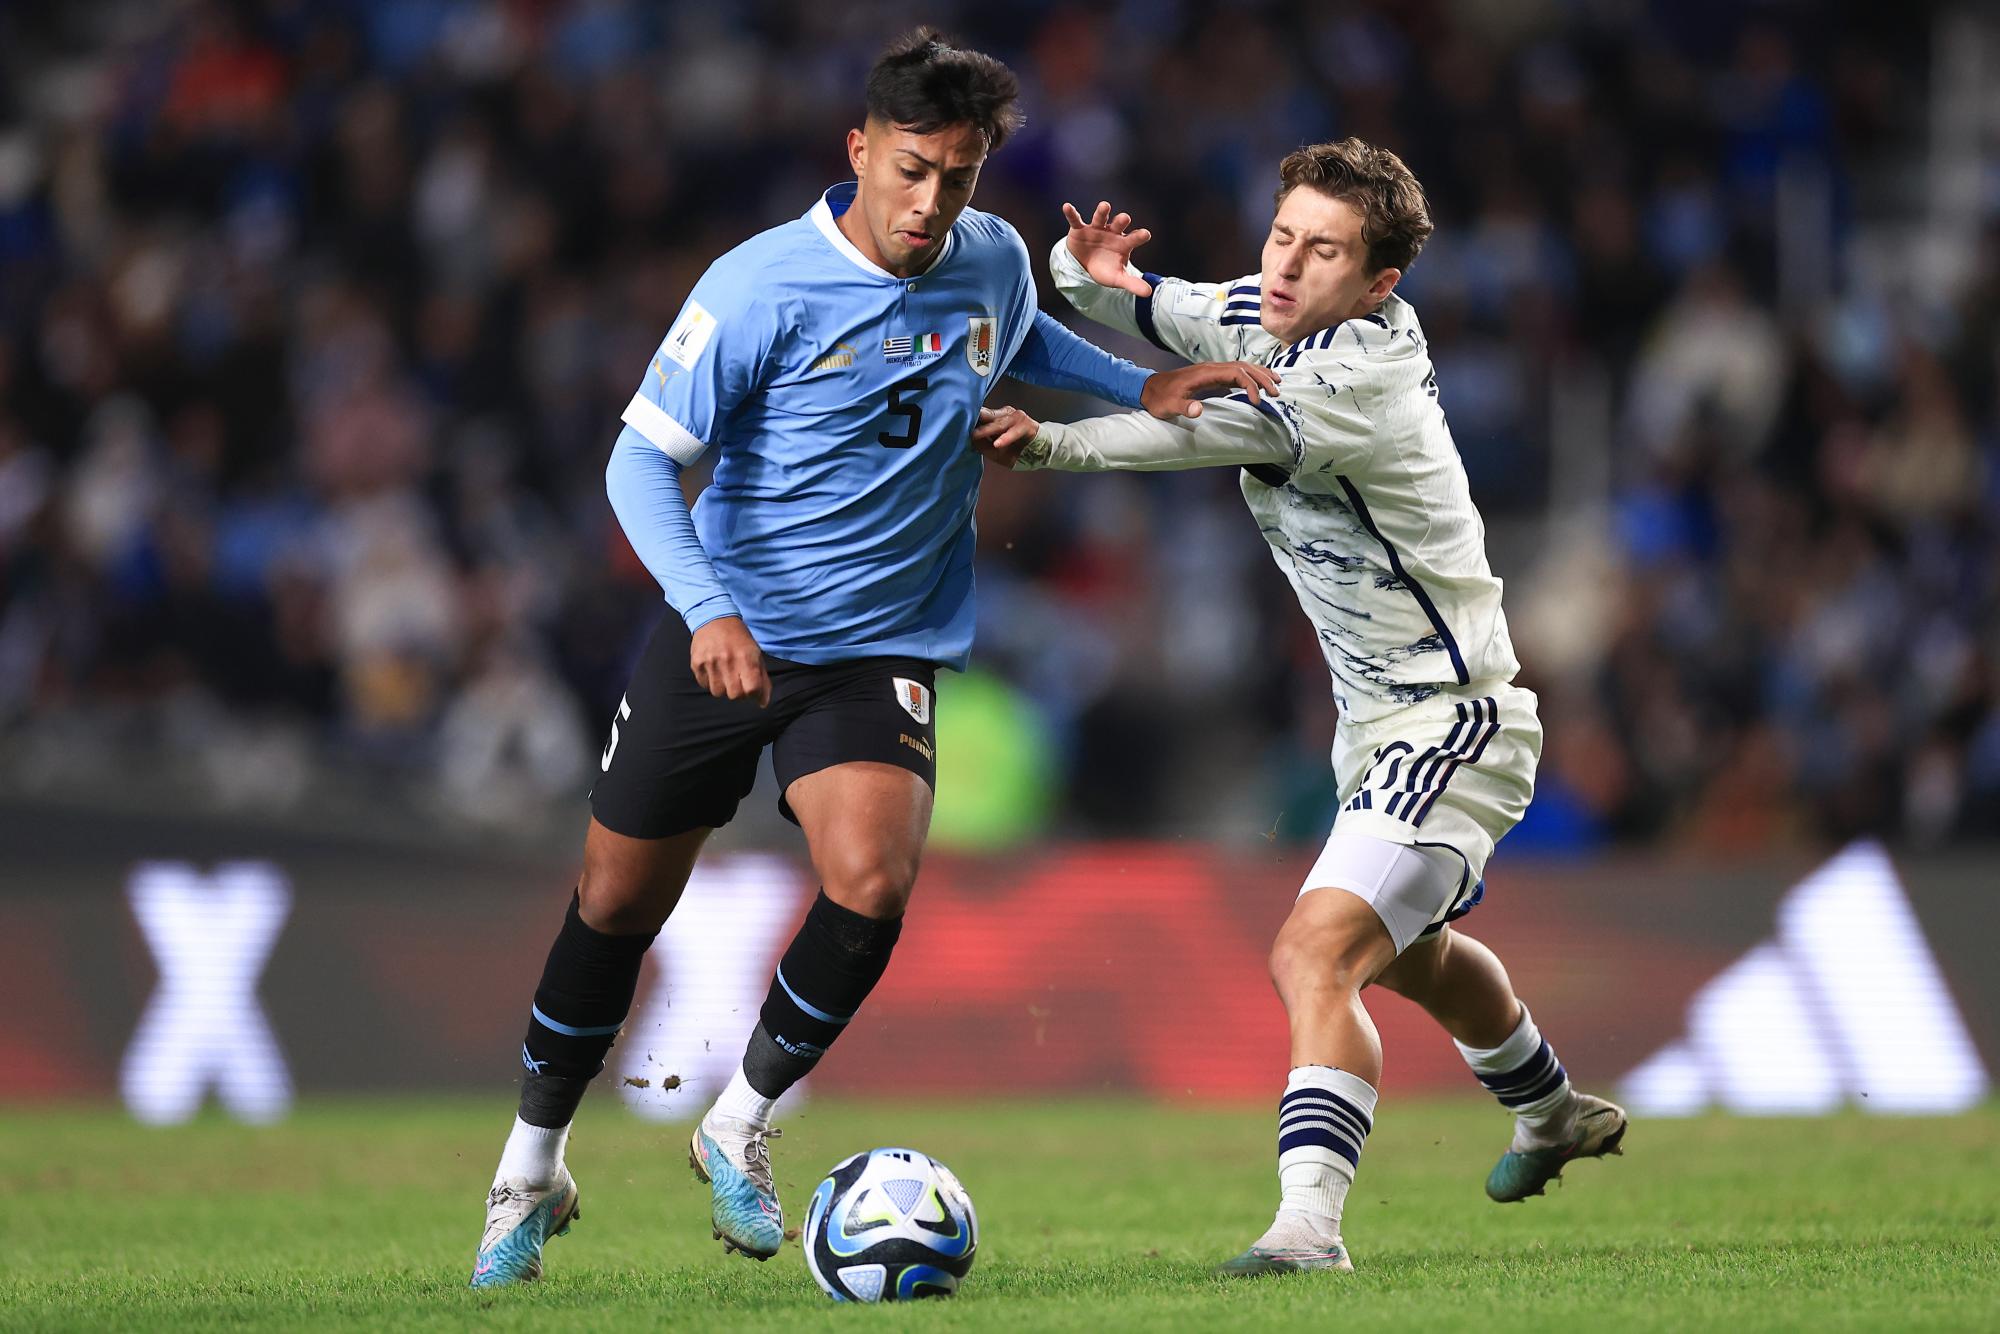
column 1323, row 1120
column 585, row 994
column 828, row 970
column 1522, row 1072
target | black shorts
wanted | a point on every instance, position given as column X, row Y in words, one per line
column 679, row 758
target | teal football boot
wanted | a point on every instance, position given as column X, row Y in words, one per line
column 734, row 1158
column 1595, row 1128
column 519, row 1222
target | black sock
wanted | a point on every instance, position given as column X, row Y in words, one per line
column 828, row 970
column 586, row 991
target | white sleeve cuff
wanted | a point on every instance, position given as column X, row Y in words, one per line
column 1037, row 452
column 674, row 440
column 1067, row 269
column 1063, row 266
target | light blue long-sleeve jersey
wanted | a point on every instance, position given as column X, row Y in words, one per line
column 841, row 400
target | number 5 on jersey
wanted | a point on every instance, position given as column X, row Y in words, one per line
column 902, row 403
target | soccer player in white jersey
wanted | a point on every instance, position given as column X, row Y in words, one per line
column 1354, row 480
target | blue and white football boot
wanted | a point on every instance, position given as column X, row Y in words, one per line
column 519, row 1222
column 1294, row 1245
column 1592, row 1129
column 734, row 1158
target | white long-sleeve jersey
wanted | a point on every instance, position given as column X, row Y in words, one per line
column 1351, row 472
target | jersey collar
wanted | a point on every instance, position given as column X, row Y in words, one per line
column 1370, row 330
column 835, row 202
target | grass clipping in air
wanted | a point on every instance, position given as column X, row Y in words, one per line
column 1093, row 1215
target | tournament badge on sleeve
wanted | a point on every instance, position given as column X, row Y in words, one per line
column 979, row 343
column 690, row 335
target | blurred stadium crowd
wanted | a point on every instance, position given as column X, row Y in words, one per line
column 318, row 318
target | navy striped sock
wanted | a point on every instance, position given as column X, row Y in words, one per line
column 1323, row 1120
column 1522, row 1072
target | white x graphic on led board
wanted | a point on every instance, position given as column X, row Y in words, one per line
column 211, row 936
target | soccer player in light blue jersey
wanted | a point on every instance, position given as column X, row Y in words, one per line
column 835, row 366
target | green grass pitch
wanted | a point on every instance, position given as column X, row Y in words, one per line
column 1095, row 1215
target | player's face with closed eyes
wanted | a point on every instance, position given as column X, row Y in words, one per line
column 1316, row 270
column 913, row 187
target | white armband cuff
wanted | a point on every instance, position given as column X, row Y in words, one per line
column 674, row 440
column 1037, row 452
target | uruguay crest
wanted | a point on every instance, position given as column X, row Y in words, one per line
column 915, row 697
column 979, row 343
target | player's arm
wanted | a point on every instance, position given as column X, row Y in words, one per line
column 1051, row 356
column 715, row 354
column 1231, row 432
column 1055, row 358
column 1318, row 424
column 644, row 484
column 1092, row 267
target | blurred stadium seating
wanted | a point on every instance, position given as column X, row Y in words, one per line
column 318, row 317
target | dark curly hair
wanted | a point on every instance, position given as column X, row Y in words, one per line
column 922, row 83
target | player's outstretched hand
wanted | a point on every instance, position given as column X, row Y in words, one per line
column 1003, row 433
column 727, row 662
column 1104, row 247
column 1170, row 394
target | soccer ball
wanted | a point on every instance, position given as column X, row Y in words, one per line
column 890, row 1225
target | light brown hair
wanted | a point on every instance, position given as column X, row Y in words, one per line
column 1395, row 216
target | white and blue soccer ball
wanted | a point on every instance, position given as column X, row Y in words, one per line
column 890, row 1225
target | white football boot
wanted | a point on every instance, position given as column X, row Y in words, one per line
column 1294, row 1245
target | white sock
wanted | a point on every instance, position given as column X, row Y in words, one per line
column 744, row 1103
column 1523, row 1073
column 1323, row 1120
column 533, row 1156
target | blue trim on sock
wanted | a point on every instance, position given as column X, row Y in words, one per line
column 1531, row 1071
column 1367, row 1123
column 1548, row 1086
column 1319, row 1139
column 570, row 1032
column 810, row 1009
column 1333, row 1116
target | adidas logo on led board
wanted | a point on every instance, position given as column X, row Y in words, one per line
column 1846, row 1005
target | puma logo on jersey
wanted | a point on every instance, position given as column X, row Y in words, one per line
column 837, row 360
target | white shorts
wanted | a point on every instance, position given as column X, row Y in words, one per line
column 1450, row 775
